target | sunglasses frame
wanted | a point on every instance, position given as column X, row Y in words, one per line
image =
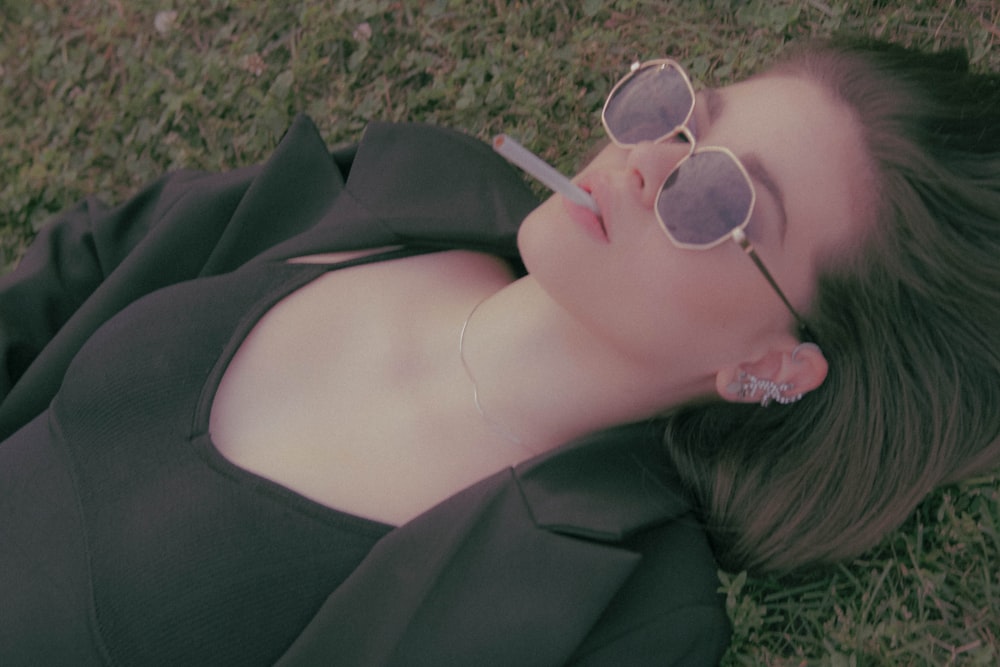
column 737, row 234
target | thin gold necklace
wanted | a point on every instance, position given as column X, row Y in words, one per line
column 492, row 423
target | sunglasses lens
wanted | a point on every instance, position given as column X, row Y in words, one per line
column 704, row 199
column 652, row 102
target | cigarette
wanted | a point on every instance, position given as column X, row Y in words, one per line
column 537, row 167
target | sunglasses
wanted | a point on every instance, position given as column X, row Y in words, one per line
column 709, row 196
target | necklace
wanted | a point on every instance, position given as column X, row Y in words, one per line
column 493, row 424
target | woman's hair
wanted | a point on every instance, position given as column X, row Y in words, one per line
column 910, row 325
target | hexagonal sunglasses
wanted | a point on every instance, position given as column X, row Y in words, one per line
column 709, row 196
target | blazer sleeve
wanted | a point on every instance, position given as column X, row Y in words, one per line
column 68, row 260
column 668, row 612
column 691, row 637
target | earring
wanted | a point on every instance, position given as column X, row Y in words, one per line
column 748, row 386
column 803, row 346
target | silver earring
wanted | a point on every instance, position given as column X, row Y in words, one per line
column 802, row 346
column 749, row 386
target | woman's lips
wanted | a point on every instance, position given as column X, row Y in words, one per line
column 586, row 218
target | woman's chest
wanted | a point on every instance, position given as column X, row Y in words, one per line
column 338, row 392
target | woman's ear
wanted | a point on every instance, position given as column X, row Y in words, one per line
column 787, row 371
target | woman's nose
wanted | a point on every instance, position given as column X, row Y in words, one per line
column 650, row 163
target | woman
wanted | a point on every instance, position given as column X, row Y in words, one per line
column 243, row 455
column 908, row 323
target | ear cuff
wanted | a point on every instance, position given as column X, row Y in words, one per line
column 751, row 386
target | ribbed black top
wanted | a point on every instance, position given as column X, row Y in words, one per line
column 173, row 554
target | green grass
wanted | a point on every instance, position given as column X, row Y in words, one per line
column 95, row 100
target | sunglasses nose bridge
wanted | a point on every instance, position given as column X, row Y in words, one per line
column 649, row 163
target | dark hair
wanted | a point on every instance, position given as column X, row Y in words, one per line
column 910, row 326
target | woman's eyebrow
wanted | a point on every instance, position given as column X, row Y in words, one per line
column 715, row 104
column 760, row 174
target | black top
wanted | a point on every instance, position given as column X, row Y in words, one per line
column 127, row 539
column 184, row 551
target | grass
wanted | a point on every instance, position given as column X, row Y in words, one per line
column 99, row 97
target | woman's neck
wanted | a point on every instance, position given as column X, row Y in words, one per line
column 541, row 376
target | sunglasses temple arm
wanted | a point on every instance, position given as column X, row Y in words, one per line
column 748, row 248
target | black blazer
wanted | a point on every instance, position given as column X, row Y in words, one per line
column 587, row 555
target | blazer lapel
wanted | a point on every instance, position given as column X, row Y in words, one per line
column 511, row 571
column 293, row 189
column 420, row 185
column 607, row 486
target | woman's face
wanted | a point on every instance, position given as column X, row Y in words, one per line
column 696, row 311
